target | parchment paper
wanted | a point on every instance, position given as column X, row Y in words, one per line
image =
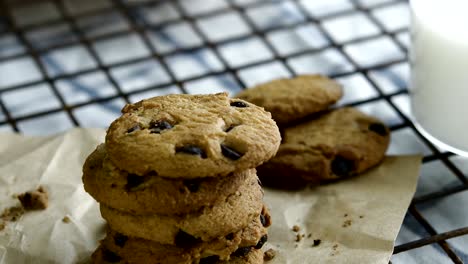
column 356, row 220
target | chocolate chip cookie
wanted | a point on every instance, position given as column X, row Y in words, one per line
column 338, row 144
column 152, row 194
column 230, row 215
column 291, row 99
column 103, row 255
column 139, row 250
column 251, row 256
column 191, row 136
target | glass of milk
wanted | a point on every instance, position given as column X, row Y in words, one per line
column 439, row 72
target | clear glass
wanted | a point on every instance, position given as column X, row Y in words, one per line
column 439, row 72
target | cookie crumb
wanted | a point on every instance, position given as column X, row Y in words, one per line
column 34, row 200
column 347, row 223
column 12, row 214
column 296, row 246
column 345, row 215
column 361, row 216
column 2, row 226
column 317, row 242
column 66, row 219
column 296, row 228
column 335, row 252
column 298, row 237
column 269, row 254
column 309, row 235
column 303, row 235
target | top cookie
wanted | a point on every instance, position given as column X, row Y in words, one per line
column 191, row 136
column 292, row 99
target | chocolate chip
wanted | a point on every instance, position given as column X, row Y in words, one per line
column 192, row 150
column 156, row 127
column 261, row 242
column 27, row 198
column 133, row 181
column 230, row 153
column 242, row 252
column 230, row 236
column 263, row 220
column 185, row 240
column 378, row 128
column 209, row 260
column 342, row 167
column 110, row 256
column 239, row 104
column 192, row 185
column 134, row 128
column 120, row 240
column 317, row 242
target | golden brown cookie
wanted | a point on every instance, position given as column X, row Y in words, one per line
column 152, row 194
column 252, row 256
column 289, row 100
column 230, row 215
column 106, row 256
column 191, row 136
column 138, row 250
column 338, row 144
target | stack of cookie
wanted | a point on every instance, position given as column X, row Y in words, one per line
column 319, row 144
column 176, row 181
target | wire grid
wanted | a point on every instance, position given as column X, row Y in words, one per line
column 208, row 58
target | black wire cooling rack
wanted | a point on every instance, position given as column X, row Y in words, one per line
column 11, row 13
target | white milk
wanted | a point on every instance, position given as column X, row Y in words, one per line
column 439, row 72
